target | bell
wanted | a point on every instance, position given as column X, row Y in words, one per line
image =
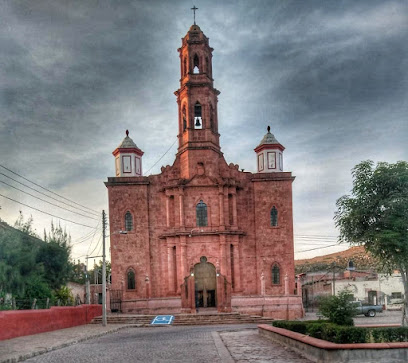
column 197, row 123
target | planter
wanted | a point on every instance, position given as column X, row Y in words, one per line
column 319, row 350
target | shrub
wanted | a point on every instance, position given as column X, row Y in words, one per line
column 323, row 329
column 338, row 309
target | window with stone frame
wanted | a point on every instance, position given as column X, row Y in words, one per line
column 128, row 221
column 275, row 274
column 201, row 214
column 274, row 217
column 131, row 280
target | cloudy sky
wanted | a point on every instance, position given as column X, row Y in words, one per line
column 329, row 77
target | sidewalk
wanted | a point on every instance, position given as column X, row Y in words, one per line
column 21, row 348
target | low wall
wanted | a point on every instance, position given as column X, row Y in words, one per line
column 276, row 307
column 16, row 323
column 318, row 350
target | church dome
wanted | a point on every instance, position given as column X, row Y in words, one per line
column 127, row 143
column 269, row 139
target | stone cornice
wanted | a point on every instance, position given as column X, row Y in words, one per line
column 136, row 180
column 178, row 233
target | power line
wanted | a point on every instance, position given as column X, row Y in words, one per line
column 318, row 248
column 48, row 196
column 83, row 215
column 315, row 235
column 161, row 156
column 50, row 191
column 39, row 210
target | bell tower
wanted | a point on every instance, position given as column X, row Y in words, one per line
column 197, row 100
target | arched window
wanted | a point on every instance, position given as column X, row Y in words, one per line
column 131, row 280
column 185, row 67
column 128, row 221
column 196, row 64
column 274, row 217
column 184, row 118
column 197, row 116
column 275, row 274
column 201, row 214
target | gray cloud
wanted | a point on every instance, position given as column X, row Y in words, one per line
column 329, row 76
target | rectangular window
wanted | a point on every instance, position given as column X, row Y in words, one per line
column 127, row 164
column 271, row 160
column 280, row 162
column 137, row 166
column 260, row 162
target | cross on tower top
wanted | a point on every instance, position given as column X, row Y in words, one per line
column 194, row 10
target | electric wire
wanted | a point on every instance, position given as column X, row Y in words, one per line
column 50, row 191
column 48, row 196
column 161, row 157
column 41, row 211
column 43, row 200
column 317, row 248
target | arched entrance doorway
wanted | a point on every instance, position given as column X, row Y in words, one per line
column 205, row 284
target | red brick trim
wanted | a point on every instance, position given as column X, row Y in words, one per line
column 323, row 344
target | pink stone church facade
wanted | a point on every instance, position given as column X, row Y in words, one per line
column 202, row 234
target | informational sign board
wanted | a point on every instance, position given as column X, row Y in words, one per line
column 162, row 319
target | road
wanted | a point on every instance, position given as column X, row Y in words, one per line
column 215, row 344
column 386, row 317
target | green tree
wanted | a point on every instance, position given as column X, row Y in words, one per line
column 54, row 256
column 376, row 216
column 339, row 309
column 25, row 226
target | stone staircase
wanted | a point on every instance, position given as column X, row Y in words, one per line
column 186, row 319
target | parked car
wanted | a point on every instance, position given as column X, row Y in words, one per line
column 367, row 310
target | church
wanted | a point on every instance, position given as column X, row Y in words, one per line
column 202, row 235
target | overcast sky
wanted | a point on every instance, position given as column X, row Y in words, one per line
column 329, row 77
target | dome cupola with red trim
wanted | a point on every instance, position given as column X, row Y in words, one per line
column 128, row 158
column 269, row 154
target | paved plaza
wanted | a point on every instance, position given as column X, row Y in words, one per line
column 125, row 343
column 223, row 344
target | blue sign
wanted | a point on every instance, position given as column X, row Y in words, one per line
column 162, row 319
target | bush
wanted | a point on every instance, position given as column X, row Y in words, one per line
column 338, row 309
column 344, row 334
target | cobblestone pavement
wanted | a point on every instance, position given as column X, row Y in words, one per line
column 248, row 346
column 215, row 344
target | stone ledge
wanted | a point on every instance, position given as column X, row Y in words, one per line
column 319, row 350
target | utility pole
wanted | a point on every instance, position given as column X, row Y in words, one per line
column 334, row 278
column 104, row 320
column 88, row 287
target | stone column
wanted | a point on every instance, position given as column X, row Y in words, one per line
column 262, row 284
column 181, row 201
column 170, row 269
column 183, row 258
column 221, row 203
column 286, row 285
column 234, row 209
column 223, row 254
column 237, row 266
column 167, row 211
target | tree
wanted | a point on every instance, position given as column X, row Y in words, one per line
column 376, row 216
column 54, row 256
column 338, row 309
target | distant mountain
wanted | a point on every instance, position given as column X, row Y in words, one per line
column 361, row 261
